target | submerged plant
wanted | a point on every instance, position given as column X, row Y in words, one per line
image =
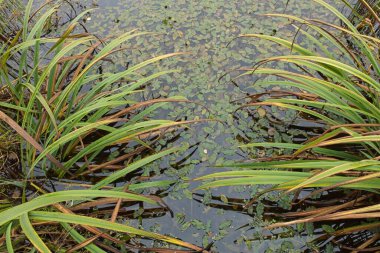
column 70, row 116
column 336, row 86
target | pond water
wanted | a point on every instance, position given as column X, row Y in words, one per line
column 208, row 30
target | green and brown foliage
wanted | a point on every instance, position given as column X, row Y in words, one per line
column 334, row 86
column 66, row 114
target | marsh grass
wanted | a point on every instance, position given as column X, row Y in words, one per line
column 339, row 89
column 66, row 113
column 363, row 18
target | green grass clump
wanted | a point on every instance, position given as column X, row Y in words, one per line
column 332, row 82
column 66, row 114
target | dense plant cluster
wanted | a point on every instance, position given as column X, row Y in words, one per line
column 67, row 113
column 76, row 135
column 337, row 92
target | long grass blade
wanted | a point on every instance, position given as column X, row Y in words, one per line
column 32, row 235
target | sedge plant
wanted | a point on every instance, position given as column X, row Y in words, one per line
column 335, row 83
column 66, row 113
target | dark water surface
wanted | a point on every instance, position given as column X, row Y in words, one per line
column 208, row 30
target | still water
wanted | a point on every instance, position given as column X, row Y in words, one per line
column 208, row 74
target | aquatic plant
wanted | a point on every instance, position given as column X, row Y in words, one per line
column 331, row 82
column 73, row 119
column 363, row 18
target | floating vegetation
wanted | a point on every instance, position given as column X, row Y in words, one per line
column 97, row 148
column 337, row 94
